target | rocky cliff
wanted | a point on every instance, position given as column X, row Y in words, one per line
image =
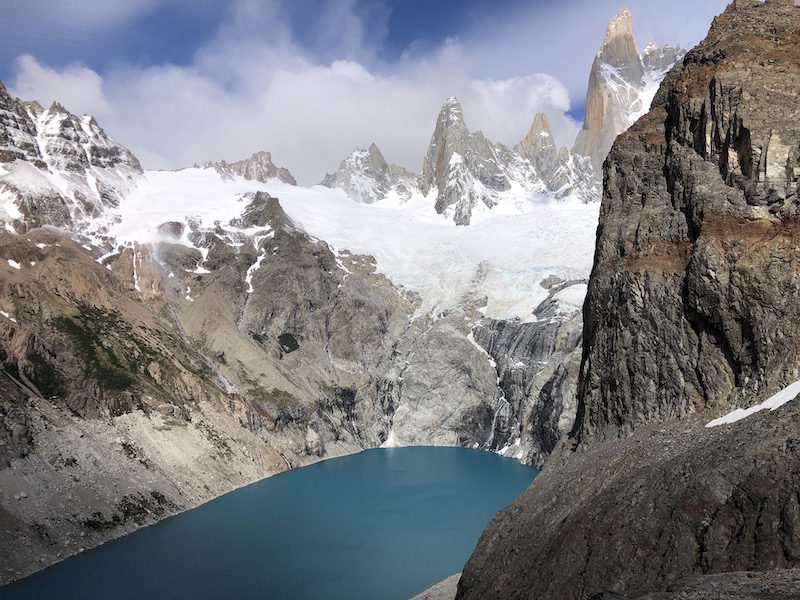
column 366, row 177
column 58, row 169
column 688, row 316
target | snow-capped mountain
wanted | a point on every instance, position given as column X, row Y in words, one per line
column 464, row 174
column 58, row 169
column 365, row 176
column 622, row 84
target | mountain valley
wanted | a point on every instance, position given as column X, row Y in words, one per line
column 169, row 336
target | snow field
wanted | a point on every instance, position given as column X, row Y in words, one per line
column 499, row 260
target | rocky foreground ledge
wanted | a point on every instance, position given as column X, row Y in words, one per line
column 636, row 515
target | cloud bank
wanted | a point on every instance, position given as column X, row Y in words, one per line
column 255, row 85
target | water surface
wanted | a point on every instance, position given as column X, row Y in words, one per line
column 383, row 524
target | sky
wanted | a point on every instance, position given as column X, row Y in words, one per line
column 181, row 82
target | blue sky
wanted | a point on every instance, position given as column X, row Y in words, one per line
column 185, row 81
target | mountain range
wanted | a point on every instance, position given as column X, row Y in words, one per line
column 166, row 337
column 466, row 174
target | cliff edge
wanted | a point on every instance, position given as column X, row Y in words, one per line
column 690, row 313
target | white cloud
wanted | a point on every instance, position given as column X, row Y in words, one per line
column 74, row 86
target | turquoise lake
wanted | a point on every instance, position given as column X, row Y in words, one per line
column 382, row 524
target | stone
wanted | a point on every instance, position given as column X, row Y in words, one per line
column 456, row 160
column 691, row 312
column 615, row 94
column 259, row 167
column 366, row 177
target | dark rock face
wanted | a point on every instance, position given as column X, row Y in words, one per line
column 638, row 514
column 697, row 249
column 690, row 313
column 537, row 365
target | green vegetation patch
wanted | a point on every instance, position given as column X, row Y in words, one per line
column 93, row 333
column 288, row 342
column 133, row 507
column 46, row 376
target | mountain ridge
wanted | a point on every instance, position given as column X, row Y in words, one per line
column 688, row 316
column 463, row 173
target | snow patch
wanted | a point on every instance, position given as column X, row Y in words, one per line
column 786, row 395
column 14, row 264
column 7, row 316
column 502, row 256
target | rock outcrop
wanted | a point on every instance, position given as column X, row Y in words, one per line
column 689, row 314
column 366, row 177
column 58, row 169
column 621, row 85
column 258, row 167
column 464, row 169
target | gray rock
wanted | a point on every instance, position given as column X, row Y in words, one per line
column 690, row 313
column 617, row 80
column 366, row 177
column 259, row 167
column 464, row 168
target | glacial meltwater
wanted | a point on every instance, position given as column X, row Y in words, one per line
column 383, row 524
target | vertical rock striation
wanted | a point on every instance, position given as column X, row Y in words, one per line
column 691, row 312
column 694, row 282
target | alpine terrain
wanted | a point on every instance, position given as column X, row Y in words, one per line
column 680, row 477
column 166, row 337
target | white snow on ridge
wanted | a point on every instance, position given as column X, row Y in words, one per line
column 501, row 258
column 786, row 395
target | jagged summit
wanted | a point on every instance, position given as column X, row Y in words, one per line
column 622, row 83
column 57, row 168
column 366, row 177
column 466, row 170
column 464, row 173
column 259, row 167
column 619, row 48
column 539, row 147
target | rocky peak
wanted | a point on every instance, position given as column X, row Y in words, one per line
column 657, row 59
column 539, row 139
column 540, row 148
column 62, row 170
column 366, row 177
column 619, row 47
column 464, row 168
column 57, row 107
column 259, row 167
column 621, row 86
